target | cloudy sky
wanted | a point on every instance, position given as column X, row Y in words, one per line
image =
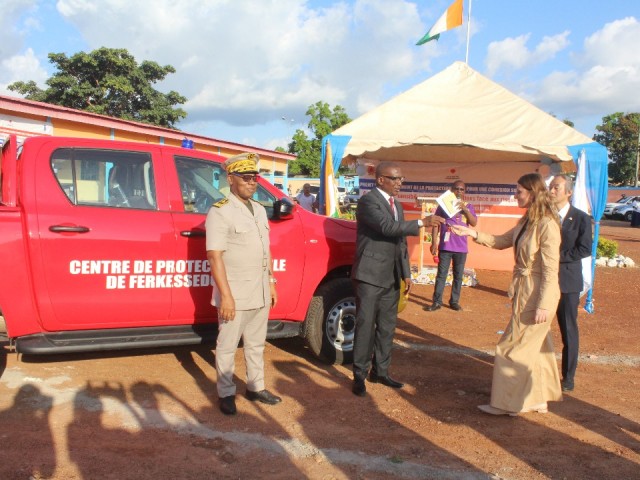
column 250, row 68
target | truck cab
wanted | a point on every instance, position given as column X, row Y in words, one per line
column 105, row 242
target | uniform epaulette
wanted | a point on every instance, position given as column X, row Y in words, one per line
column 220, row 203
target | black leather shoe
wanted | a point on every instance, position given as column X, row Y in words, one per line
column 388, row 381
column 455, row 306
column 228, row 405
column 263, row 396
column 567, row 386
column 359, row 388
column 433, row 307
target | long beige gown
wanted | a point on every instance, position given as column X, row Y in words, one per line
column 525, row 371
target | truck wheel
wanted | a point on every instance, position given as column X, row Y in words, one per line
column 628, row 216
column 331, row 321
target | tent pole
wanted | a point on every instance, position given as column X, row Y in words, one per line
column 466, row 59
column 423, row 210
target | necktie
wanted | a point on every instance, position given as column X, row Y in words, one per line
column 393, row 208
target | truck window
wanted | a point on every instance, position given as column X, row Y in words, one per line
column 203, row 183
column 105, row 178
column 265, row 199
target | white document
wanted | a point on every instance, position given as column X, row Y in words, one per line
column 449, row 203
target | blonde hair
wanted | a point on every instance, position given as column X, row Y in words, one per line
column 541, row 203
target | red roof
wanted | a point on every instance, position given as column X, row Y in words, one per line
column 22, row 105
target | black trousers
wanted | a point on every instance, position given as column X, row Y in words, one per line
column 568, row 321
column 377, row 312
column 459, row 260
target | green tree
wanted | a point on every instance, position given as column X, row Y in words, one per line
column 619, row 133
column 108, row 81
column 323, row 121
column 566, row 121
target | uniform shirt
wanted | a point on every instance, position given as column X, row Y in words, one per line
column 306, row 202
column 449, row 241
column 244, row 239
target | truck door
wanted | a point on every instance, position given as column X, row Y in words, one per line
column 203, row 183
column 288, row 253
column 100, row 238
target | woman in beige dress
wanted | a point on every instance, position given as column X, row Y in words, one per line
column 525, row 372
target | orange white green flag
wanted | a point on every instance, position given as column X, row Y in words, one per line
column 330, row 191
column 452, row 18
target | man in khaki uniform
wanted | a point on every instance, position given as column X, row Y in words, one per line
column 244, row 288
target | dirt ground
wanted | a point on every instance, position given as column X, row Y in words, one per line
column 153, row 414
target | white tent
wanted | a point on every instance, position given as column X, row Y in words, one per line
column 469, row 127
column 458, row 116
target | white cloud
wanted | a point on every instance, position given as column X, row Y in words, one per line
column 18, row 17
column 606, row 78
column 550, row 46
column 11, row 27
column 513, row 53
column 248, row 62
column 21, row 67
column 510, row 52
column 617, row 44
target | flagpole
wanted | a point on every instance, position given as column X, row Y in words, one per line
column 466, row 60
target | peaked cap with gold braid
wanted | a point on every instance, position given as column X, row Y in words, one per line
column 243, row 163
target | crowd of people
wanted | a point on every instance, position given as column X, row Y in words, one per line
column 549, row 242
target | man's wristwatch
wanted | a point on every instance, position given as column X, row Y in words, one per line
column 273, row 280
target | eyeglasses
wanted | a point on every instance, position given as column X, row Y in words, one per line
column 246, row 178
column 393, row 179
column 459, row 189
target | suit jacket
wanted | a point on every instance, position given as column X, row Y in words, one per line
column 382, row 258
column 576, row 245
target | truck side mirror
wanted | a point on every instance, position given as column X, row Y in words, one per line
column 282, row 209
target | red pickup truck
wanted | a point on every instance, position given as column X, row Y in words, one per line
column 102, row 247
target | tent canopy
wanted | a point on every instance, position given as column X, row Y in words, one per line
column 457, row 116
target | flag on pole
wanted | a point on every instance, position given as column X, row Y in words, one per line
column 451, row 18
column 333, row 156
column 330, row 191
column 580, row 200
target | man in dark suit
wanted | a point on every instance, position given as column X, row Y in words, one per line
column 381, row 262
column 576, row 245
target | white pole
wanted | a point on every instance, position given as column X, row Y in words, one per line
column 637, row 156
column 466, row 60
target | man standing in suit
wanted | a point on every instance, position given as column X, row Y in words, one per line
column 381, row 263
column 576, row 245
